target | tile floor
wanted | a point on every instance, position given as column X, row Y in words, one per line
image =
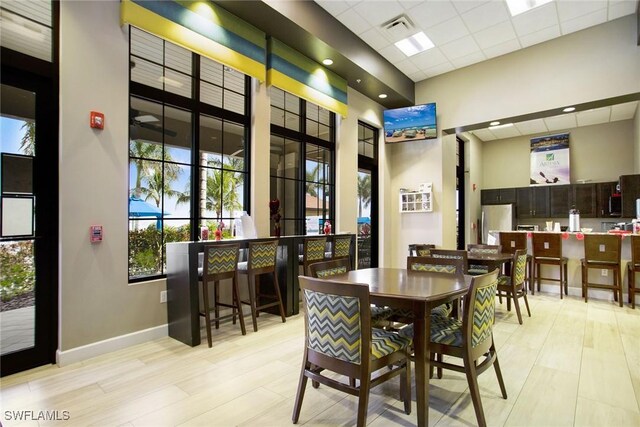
column 572, row 364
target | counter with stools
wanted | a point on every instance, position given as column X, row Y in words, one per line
column 602, row 251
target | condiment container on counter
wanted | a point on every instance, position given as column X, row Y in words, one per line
column 574, row 220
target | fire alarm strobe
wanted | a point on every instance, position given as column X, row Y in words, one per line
column 97, row 120
column 95, row 233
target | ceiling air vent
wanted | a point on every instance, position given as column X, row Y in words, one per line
column 398, row 28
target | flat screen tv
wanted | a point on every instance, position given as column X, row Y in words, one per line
column 410, row 123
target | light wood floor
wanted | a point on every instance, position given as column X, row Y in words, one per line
column 570, row 364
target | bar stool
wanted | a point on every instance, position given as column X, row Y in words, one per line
column 312, row 251
column 547, row 249
column 478, row 269
column 634, row 267
column 513, row 241
column 220, row 263
column 341, row 248
column 420, row 249
column 261, row 260
column 602, row 251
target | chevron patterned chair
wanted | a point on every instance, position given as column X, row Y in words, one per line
column 220, row 263
column 341, row 248
column 261, row 260
column 513, row 287
column 420, row 249
column 313, row 250
column 470, row 339
column 339, row 338
column 476, row 269
column 451, row 254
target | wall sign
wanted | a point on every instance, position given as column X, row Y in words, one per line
column 550, row 160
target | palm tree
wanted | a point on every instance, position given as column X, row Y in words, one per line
column 364, row 192
column 157, row 186
column 222, row 186
column 311, row 181
column 28, row 142
column 138, row 151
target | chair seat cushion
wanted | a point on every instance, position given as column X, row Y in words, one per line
column 384, row 342
column 441, row 310
column 444, row 330
column 476, row 269
column 380, row 313
column 504, row 281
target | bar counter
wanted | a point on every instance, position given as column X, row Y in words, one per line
column 183, row 295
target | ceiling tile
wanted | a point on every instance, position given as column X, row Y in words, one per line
column 531, row 126
column 570, row 9
column 540, row 36
column 418, row 76
column 535, row 19
column 333, row 7
column 505, row 132
column 406, row 66
column 593, row 117
column 464, row 5
column 374, row 38
column 502, row 48
column 485, row 16
column 439, row 69
column 429, row 58
column 495, row 35
column 353, row 21
column 468, row 59
column 376, row 16
column 447, row 31
column 425, row 14
column 484, row 134
column 624, row 111
column 619, row 8
column 459, row 48
column 563, row 121
column 392, row 54
column 584, row 21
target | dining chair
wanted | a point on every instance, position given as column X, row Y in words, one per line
column 341, row 248
column 220, row 263
column 602, row 251
column 313, row 250
column 420, row 249
column 470, row 339
column 452, row 254
column 511, row 241
column 547, row 250
column 339, row 339
column 477, row 269
column 633, row 267
column 261, row 261
column 512, row 287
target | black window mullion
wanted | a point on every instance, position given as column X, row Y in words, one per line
column 195, row 151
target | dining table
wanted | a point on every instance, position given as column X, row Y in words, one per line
column 419, row 292
column 492, row 261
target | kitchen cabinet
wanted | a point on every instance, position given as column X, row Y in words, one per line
column 559, row 200
column 532, row 202
column 604, row 191
column 498, row 196
column 630, row 189
column 583, row 197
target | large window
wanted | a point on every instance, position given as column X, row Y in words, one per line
column 302, row 162
column 187, row 144
column 367, row 195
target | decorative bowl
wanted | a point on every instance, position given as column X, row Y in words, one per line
column 586, row 230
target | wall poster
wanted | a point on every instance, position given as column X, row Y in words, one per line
column 550, row 160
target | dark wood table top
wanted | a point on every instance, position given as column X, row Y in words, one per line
column 501, row 257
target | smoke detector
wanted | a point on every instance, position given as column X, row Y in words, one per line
column 398, row 28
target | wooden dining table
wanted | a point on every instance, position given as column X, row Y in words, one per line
column 419, row 292
column 492, row 261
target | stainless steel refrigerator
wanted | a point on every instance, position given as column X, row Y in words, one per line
column 497, row 218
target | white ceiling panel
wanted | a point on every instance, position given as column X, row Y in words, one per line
column 531, row 126
column 564, row 121
column 485, row 16
column 535, row 19
column 593, row 117
column 468, row 60
column 429, row 13
column 464, row 5
column 505, row 132
column 484, row 134
column 375, row 38
column 540, row 36
column 333, row 7
column 377, row 14
column 407, row 67
column 447, row 31
column 393, row 54
column 624, row 111
column 570, row 9
column 353, row 21
column 495, row 35
column 438, row 69
column 502, row 48
column 461, row 47
column 429, row 58
column 418, row 76
column 619, row 8
column 584, row 21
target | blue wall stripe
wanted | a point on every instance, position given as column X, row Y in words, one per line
column 198, row 24
column 278, row 63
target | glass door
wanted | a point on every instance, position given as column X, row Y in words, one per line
column 28, row 222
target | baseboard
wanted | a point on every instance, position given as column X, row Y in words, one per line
column 78, row 354
column 599, row 294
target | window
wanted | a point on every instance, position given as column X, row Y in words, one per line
column 367, row 195
column 302, row 162
column 187, row 139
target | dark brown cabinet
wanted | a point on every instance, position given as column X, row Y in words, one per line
column 605, row 190
column 630, row 189
column 498, row 196
column 583, row 197
column 559, row 200
column 532, row 202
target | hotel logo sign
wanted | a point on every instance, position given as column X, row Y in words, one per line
column 550, row 160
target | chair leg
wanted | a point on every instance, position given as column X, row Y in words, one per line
column 439, row 370
column 405, row 380
column 276, row 286
column 207, row 314
column 530, row 279
column 251, row 280
column 632, row 288
column 363, row 399
column 216, row 306
column 474, row 391
column 585, row 282
column 561, row 281
column 302, row 384
column 514, row 296
column 237, row 303
column 526, row 302
column 618, row 278
column 566, row 279
column 496, row 366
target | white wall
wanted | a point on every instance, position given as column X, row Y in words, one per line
column 473, row 179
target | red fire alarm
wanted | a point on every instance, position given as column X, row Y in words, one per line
column 97, row 120
column 95, row 234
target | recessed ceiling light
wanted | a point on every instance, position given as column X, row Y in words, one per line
column 327, row 61
column 516, row 7
column 417, row 43
column 382, row 96
column 494, row 123
column 569, row 109
column 506, row 125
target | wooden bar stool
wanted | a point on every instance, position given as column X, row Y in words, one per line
column 634, row 267
column 220, row 263
column 420, row 249
column 312, row 251
column 341, row 248
column 477, row 269
column 261, row 260
column 547, row 249
column 513, row 241
column 602, row 251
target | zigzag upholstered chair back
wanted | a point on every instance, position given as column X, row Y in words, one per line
column 339, row 338
column 436, row 265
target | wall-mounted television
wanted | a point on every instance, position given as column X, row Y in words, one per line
column 410, row 123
